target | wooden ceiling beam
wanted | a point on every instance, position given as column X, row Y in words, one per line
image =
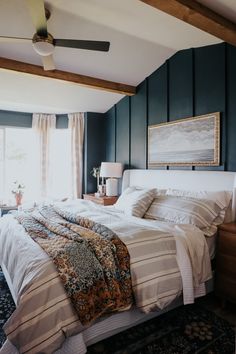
column 82, row 80
column 198, row 15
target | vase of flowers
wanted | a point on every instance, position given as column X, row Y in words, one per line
column 96, row 173
column 18, row 191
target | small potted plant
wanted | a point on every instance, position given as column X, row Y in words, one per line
column 18, row 191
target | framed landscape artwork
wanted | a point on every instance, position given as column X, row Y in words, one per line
column 190, row 141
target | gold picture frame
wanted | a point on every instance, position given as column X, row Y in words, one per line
column 191, row 141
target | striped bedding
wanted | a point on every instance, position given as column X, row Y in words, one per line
column 203, row 213
column 155, row 271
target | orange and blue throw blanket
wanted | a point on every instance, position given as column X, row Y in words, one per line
column 93, row 263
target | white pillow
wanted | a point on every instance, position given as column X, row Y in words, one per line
column 135, row 201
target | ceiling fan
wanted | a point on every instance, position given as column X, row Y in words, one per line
column 44, row 43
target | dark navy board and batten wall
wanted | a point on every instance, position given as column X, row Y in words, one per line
column 24, row 119
column 192, row 82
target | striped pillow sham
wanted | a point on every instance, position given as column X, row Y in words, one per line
column 222, row 198
column 135, row 201
column 203, row 213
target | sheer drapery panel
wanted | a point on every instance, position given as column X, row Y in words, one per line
column 44, row 125
column 76, row 130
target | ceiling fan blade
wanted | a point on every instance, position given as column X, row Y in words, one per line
column 48, row 62
column 37, row 12
column 15, row 39
column 83, row 44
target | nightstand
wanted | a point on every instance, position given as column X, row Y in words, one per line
column 100, row 200
column 225, row 285
column 4, row 209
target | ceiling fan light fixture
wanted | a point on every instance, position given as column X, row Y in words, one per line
column 43, row 45
column 43, row 42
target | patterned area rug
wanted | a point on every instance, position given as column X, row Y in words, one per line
column 7, row 305
column 185, row 330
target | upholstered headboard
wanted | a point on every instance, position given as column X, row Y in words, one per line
column 183, row 179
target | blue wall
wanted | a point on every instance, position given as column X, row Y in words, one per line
column 17, row 119
column 94, row 148
column 191, row 83
column 24, row 120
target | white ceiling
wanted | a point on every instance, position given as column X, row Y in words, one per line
column 141, row 37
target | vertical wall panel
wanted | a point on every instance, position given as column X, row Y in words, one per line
column 94, row 148
column 180, row 78
column 210, row 88
column 110, row 134
column 209, row 79
column 123, row 131
column 138, row 126
column 231, row 100
column 181, row 85
column 157, row 96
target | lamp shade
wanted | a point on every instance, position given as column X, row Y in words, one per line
column 111, row 169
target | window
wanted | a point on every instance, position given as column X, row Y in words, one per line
column 20, row 161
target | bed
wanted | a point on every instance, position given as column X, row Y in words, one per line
column 108, row 325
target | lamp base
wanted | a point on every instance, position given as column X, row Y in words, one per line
column 111, row 187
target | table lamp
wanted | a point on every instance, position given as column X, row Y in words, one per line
column 112, row 170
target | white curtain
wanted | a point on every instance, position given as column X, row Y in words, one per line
column 76, row 129
column 44, row 124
